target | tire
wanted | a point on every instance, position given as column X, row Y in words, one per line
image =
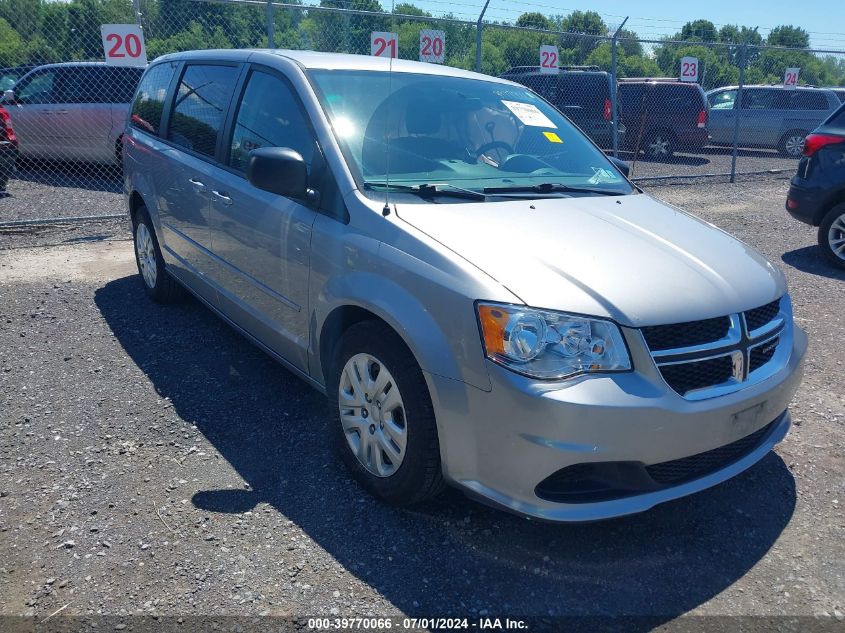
column 158, row 284
column 659, row 144
column 4, row 182
column 376, row 431
column 792, row 143
column 832, row 235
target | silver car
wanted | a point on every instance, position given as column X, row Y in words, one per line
column 72, row 111
column 485, row 298
column 769, row 116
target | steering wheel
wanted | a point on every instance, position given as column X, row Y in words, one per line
column 493, row 145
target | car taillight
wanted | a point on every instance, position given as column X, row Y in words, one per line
column 814, row 142
column 7, row 130
column 607, row 116
column 702, row 118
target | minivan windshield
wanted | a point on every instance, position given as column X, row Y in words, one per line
column 457, row 133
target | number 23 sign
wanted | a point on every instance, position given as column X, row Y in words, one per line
column 123, row 45
column 689, row 69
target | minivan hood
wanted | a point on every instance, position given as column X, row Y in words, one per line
column 630, row 258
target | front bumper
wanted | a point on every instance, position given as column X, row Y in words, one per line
column 498, row 445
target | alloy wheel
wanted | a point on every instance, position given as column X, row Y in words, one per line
column 145, row 248
column 794, row 145
column 659, row 146
column 373, row 415
column 836, row 237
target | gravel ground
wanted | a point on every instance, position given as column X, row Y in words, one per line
column 154, row 462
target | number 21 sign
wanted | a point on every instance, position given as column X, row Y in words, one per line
column 689, row 69
column 123, row 45
column 384, row 44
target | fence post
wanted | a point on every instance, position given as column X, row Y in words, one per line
column 478, row 28
column 613, row 93
column 136, row 9
column 271, row 25
column 737, row 105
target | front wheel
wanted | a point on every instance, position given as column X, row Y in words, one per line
column 832, row 235
column 385, row 431
column 792, row 143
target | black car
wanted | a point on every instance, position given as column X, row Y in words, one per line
column 663, row 116
column 582, row 93
column 817, row 191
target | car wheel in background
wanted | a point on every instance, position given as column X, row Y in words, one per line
column 160, row 286
column 832, row 235
column 792, row 143
column 659, row 144
column 385, row 430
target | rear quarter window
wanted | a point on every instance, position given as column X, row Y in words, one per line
column 587, row 90
column 148, row 105
column 678, row 98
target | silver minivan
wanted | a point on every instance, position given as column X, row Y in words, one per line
column 769, row 116
column 73, row 111
column 485, row 298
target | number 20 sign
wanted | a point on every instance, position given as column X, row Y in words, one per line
column 432, row 46
column 123, row 45
column 384, row 44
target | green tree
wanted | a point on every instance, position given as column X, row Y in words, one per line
column 589, row 26
column 11, row 45
column 699, row 30
column 534, row 20
column 790, row 36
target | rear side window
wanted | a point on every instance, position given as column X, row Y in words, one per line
column 678, row 98
column 757, row 99
column 802, row 100
column 149, row 100
column 98, row 84
column 838, row 118
column 631, row 96
column 585, row 90
column 200, row 106
column 269, row 116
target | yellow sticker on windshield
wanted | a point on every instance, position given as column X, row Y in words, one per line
column 553, row 138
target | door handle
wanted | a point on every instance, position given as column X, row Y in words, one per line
column 62, row 112
column 199, row 186
column 222, row 197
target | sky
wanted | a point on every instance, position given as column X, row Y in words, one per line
column 824, row 19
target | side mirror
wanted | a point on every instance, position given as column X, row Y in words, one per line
column 621, row 165
column 278, row 170
column 9, row 96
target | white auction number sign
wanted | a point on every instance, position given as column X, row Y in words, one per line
column 384, row 44
column 689, row 69
column 790, row 77
column 123, row 44
column 549, row 59
column 432, row 46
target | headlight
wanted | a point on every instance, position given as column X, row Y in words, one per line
column 545, row 344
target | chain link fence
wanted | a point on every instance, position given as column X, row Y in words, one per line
column 735, row 117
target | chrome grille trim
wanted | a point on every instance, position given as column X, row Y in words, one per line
column 738, row 344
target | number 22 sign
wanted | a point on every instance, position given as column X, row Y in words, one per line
column 549, row 59
column 689, row 69
column 123, row 45
column 384, row 44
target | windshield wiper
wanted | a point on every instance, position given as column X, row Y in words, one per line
column 550, row 187
column 426, row 190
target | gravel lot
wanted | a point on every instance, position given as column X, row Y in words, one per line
column 154, row 462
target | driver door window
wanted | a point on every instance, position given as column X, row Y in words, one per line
column 269, row 116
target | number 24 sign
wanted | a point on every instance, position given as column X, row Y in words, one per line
column 790, row 77
column 123, row 45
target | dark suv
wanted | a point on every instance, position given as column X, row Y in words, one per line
column 663, row 116
column 582, row 93
column 817, row 192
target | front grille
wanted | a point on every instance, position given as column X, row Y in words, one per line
column 685, row 377
column 660, row 337
column 762, row 354
column 688, row 468
column 758, row 317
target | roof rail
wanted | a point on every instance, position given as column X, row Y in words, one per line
column 527, row 69
column 632, row 79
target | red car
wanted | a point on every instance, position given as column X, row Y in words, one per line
column 8, row 148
